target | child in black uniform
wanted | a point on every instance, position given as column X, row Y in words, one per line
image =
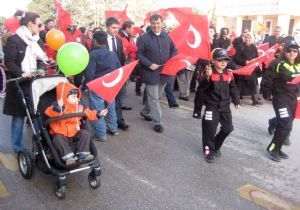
column 218, row 85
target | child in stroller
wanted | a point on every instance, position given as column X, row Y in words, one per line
column 68, row 130
column 43, row 155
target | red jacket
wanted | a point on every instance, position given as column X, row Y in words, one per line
column 67, row 127
column 130, row 49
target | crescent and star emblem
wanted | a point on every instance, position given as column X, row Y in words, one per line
column 269, row 53
column 186, row 61
column 197, row 36
column 115, row 81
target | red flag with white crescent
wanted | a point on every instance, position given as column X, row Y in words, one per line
column 120, row 15
column 177, row 63
column 270, row 54
column 63, row 18
column 297, row 113
column 295, row 80
column 192, row 37
column 181, row 14
column 261, row 49
column 109, row 85
column 250, row 67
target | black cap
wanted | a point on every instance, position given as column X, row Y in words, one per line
column 291, row 44
column 220, row 54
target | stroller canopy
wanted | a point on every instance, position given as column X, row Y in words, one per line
column 42, row 85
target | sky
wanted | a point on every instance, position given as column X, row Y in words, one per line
column 12, row 5
column 9, row 7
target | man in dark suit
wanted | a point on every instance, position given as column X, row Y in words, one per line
column 154, row 49
column 275, row 38
column 115, row 44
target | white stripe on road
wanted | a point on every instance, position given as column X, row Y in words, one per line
column 132, row 174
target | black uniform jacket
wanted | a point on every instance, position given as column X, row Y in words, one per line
column 218, row 89
column 276, row 82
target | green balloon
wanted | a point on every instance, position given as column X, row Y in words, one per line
column 72, row 58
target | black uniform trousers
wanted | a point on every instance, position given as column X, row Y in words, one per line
column 81, row 140
column 285, row 109
column 198, row 100
column 210, row 121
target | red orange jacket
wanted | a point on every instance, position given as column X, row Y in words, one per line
column 67, row 127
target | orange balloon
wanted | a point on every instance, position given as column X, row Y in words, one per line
column 55, row 39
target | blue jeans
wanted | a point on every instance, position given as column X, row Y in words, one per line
column 169, row 93
column 17, row 125
column 109, row 121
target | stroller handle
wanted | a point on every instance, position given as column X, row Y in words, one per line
column 65, row 116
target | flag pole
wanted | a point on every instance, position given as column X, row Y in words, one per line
column 209, row 50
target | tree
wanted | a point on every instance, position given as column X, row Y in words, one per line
column 91, row 12
column 45, row 8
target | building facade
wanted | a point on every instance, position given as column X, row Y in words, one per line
column 238, row 15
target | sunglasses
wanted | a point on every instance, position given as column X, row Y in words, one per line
column 222, row 60
column 291, row 50
column 39, row 25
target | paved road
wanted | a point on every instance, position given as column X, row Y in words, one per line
column 146, row 170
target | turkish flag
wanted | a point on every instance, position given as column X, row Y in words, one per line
column 181, row 14
column 262, row 48
column 250, row 67
column 177, row 63
column 120, row 15
column 109, row 85
column 63, row 18
column 192, row 38
column 270, row 54
column 295, row 80
column 12, row 24
column 297, row 113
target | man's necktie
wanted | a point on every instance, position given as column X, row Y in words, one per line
column 114, row 47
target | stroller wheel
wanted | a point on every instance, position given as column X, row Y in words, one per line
column 94, row 180
column 25, row 162
column 60, row 191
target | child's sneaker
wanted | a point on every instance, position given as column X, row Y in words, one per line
column 70, row 161
column 85, row 156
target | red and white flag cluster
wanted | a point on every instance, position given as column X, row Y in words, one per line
column 266, row 58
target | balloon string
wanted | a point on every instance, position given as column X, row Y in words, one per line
column 62, row 92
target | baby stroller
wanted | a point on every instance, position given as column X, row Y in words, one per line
column 43, row 154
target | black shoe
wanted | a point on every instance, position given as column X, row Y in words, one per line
column 271, row 128
column 217, row 153
column 283, row 155
column 112, row 133
column 123, row 126
column 193, row 90
column 287, row 141
column 174, row 106
column 209, row 158
column 126, row 108
column 274, row 155
column 138, row 93
column 102, row 139
column 146, row 117
column 158, row 128
column 186, row 98
column 197, row 115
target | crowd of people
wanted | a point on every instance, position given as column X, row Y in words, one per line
column 116, row 45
